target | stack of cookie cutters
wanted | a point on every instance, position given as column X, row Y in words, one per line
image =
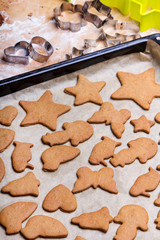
column 86, row 16
column 146, row 12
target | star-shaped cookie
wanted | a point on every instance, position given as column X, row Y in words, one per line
column 139, row 87
column 43, row 111
column 142, row 124
column 86, row 91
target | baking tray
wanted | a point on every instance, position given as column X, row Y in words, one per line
column 24, row 80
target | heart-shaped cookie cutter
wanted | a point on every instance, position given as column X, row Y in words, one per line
column 9, row 53
column 44, row 44
column 74, row 27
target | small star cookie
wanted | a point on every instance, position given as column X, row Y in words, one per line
column 86, row 91
column 141, row 88
column 43, row 111
column 142, row 124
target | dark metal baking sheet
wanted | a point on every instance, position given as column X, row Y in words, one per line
column 24, row 80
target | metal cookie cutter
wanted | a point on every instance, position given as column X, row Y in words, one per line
column 45, row 45
column 74, row 27
column 10, row 53
column 100, row 8
column 77, row 52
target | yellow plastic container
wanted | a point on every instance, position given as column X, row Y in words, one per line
column 146, row 12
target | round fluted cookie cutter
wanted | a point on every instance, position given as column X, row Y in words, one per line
column 45, row 45
column 10, row 53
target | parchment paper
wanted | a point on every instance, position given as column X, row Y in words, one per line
column 91, row 199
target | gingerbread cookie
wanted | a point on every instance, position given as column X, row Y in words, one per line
column 79, row 238
column 43, row 111
column 6, row 138
column 60, row 197
column 157, row 201
column 140, row 148
column 157, row 220
column 88, row 178
column 145, row 183
column 7, row 115
column 107, row 114
column 27, row 185
column 103, row 150
column 77, row 132
column 2, row 169
column 141, row 88
column 157, row 117
column 142, row 124
column 86, row 91
column 158, row 167
column 44, row 226
column 54, row 156
column 21, row 156
column 98, row 220
column 12, row 216
column 132, row 217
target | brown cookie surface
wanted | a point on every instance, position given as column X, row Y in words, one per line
column 132, row 217
column 7, row 115
column 145, row 183
column 6, row 138
column 60, row 197
column 79, row 238
column 141, row 88
column 88, row 178
column 86, row 91
column 21, row 156
column 77, row 132
column 98, row 220
column 107, row 114
column 157, row 117
column 44, row 226
column 54, row 156
column 142, row 124
column 2, row 169
column 12, row 216
column 157, row 201
column 103, row 150
column 27, row 185
column 43, row 111
column 140, row 148
column 157, row 220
